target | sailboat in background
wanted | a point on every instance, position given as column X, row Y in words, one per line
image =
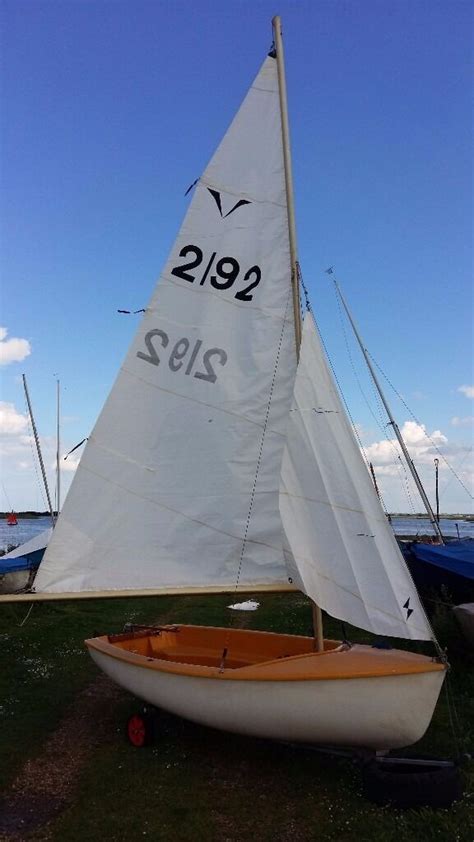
column 12, row 519
column 19, row 566
column 223, row 461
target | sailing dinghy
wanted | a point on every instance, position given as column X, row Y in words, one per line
column 223, row 461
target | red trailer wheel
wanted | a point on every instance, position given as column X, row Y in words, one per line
column 140, row 729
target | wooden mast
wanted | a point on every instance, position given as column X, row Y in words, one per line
column 285, row 130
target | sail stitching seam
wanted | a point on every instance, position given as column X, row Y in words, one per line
column 202, row 291
column 263, row 90
column 195, row 400
column 331, row 505
column 177, row 511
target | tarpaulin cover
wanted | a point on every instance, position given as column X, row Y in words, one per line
column 21, row 562
column 456, row 557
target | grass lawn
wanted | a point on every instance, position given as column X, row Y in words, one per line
column 68, row 773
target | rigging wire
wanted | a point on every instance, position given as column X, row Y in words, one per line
column 398, row 463
column 433, row 443
column 310, row 310
column 354, row 426
column 10, row 507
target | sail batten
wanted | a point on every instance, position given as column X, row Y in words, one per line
column 342, row 550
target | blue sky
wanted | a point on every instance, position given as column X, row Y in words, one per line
column 111, row 109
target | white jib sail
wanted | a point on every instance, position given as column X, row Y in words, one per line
column 345, row 551
column 179, row 483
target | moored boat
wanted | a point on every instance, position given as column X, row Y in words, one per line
column 18, row 567
column 446, row 568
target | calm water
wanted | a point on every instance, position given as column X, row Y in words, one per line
column 29, row 527
column 422, row 526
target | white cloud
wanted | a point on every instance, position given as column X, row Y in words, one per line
column 462, row 422
column 66, row 466
column 70, row 465
column 12, row 423
column 467, row 390
column 12, row 350
column 385, row 454
column 395, row 482
column 21, row 474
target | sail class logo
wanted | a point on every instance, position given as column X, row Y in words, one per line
column 217, row 198
column 407, row 607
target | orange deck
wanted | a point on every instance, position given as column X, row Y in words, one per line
column 255, row 655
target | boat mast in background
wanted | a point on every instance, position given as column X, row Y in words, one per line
column 436, row 461
column 392, row 422
column 38, row 450
column 285, row 129
column 58, row 467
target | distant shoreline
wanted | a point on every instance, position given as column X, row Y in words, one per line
column 28, row 514
column 458, row 516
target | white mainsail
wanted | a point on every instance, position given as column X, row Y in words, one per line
column 178, row 486
column 345, row 552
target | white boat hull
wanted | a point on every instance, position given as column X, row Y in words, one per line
column 15, row 581
column 465, row 616
column 381, row 712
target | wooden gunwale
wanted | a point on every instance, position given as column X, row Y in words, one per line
column 333, row 664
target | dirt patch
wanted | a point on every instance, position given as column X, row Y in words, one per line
column 46, row 784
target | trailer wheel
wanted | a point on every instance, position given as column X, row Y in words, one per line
column 404, row 785
column 140, row 729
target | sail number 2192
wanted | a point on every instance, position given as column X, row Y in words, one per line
column 222, row 274
column 182, row 357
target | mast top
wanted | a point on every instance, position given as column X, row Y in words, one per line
column 285, row 129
